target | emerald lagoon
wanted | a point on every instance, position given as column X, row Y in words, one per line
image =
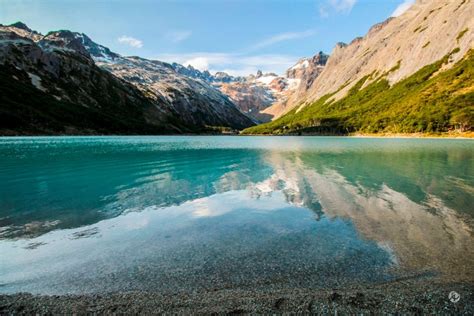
column 188, row 213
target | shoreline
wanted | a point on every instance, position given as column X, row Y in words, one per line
column 406, row 297
column 464, row 135
column 469, row 135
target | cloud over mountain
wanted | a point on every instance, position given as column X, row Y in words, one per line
column 130, row 41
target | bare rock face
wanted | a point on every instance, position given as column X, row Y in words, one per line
column 279, row 84
column 65, row 40
column 22, row 30
column 307, row 67
column 298, row 80
column 264, row 96
column 255, row 94
column 251, row 98
column 398, row 47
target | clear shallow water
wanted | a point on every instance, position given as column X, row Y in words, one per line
column 90, row 214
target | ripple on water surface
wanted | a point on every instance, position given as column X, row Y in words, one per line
column 89, row 214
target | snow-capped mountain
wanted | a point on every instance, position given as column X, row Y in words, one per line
column 63, row 82
column 262, row 97
column 195, row 100
column 255, row 93
column 218, row 77
column 49, row 89
column 298, row 79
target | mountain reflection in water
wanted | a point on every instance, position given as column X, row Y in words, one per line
column 172, row 213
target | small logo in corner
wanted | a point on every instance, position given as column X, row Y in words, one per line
column 454, row 296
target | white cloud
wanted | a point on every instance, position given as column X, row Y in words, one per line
column 323, row 12
column 201, row 63
column 342, row 5
column 242, row 62
column 338, row 6
column 405, row 5
column 130, row 41
column 178, row 36
column 243, row 72
column 281, row 38
column 234, row 64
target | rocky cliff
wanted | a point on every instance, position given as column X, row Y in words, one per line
column 424, row 34
column 300, row 77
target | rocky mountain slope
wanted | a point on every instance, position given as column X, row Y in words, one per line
column 301, row 77
column 52, row 84
column 196, row 101
column 263, row 97
column 218, row 77
column 253, row 94
column 400, row 77
column 421, row 36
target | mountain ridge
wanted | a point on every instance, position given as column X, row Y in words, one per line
column 54, row 63
column 379, row 64
column 262, row 96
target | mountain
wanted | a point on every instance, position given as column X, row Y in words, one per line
column 250, row 96
column 197, row 102
column 50, row 86
column 299, row 79
column 412, row 73
column 53, row 84
column 218, row 77
column 262, row 97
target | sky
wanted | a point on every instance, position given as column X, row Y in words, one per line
column 235, row 36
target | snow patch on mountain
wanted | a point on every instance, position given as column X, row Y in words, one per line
column 36, row 81
column 302, row 64
column 266, row 79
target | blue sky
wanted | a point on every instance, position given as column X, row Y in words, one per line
column 237, row 36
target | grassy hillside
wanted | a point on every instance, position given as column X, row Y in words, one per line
column 431, row 100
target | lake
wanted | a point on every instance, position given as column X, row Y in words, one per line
column 170, row 214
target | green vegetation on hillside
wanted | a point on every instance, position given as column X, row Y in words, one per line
column 428, row 101
column 461, row 34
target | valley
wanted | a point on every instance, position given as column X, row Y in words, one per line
column 411, row 74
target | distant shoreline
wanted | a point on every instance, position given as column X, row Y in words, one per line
column 467, row 135
column 464, row 135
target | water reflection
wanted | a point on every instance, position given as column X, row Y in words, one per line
column 44, row 191
column 423, row 235
column 231, row 239
column 107, row 214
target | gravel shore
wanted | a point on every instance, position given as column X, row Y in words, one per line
column 399, row 297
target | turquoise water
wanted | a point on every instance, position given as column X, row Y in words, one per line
column 92, row 214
